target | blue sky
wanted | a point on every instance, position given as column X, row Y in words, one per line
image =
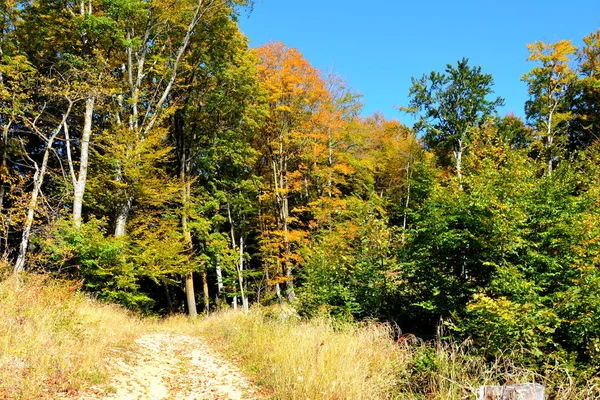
column 378, row 45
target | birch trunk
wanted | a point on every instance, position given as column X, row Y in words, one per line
column 550, row 140
column 407, row 201
column 187, row 235
column 282, row 203
column 281, row 189
column 459, row 149
column 143, row 124
column 329, row 163
column 278, row 293
column 205, row 292
column 219, row 278
column 240, row 266
column 458, row 152
column 38, row 180
column 79, row 188
column 189, row 280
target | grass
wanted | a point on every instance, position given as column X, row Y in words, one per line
column 323, row 359
column 310, row 360
column 53, row 339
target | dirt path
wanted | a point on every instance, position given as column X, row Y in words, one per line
column 175, row 367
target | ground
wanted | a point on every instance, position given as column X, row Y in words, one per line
column 174, row 367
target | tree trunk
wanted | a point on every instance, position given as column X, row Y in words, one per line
column 459, row 149
column 189, row 281
column 38, row 180
column 241, row 278
column 278, row 293
column 240, row 266
column 549, row 141
column 4, row 164
column 5, row 131
column 219, row 278
column 329, row 163
column 285, row 213
column 122, row 215
column 190, row 295
column 205, row 292
column 289, row 283
column 187, row 235
column 79, row 188
column 458, row 156
column 407, row 201
column 168, row 298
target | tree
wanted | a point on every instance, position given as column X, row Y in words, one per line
column 348, row 262
column 450, row 106
column 296, row 94
column 78, row 58
column 211, row 134
column 544, row 280
column 47, row 134
column 18, row 82
column 388, row 153
column 548, row 83
column 458, row 239
column 584, row 128
column 157, row 46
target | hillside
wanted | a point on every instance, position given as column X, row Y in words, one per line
column 151, row 155
column 57, row 343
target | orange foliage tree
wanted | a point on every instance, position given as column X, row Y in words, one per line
column 298, row 161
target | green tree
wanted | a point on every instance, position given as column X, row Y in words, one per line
column 584, row 128
column 348, row 263
column 212, row 134
column 450, row 106
column 458, row 238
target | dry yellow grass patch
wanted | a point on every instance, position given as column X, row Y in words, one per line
column 53, row 339
column 322, row 359
column 315, row 359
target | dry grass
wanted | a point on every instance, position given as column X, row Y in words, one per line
column 53, row 339
column 320, row 359
column 310, row 360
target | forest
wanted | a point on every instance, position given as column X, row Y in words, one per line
column 148, row 153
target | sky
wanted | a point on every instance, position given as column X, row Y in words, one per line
column 378, row 45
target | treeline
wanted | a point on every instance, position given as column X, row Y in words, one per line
column 149, row 153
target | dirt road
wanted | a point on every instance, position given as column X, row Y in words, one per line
column 178, row 367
